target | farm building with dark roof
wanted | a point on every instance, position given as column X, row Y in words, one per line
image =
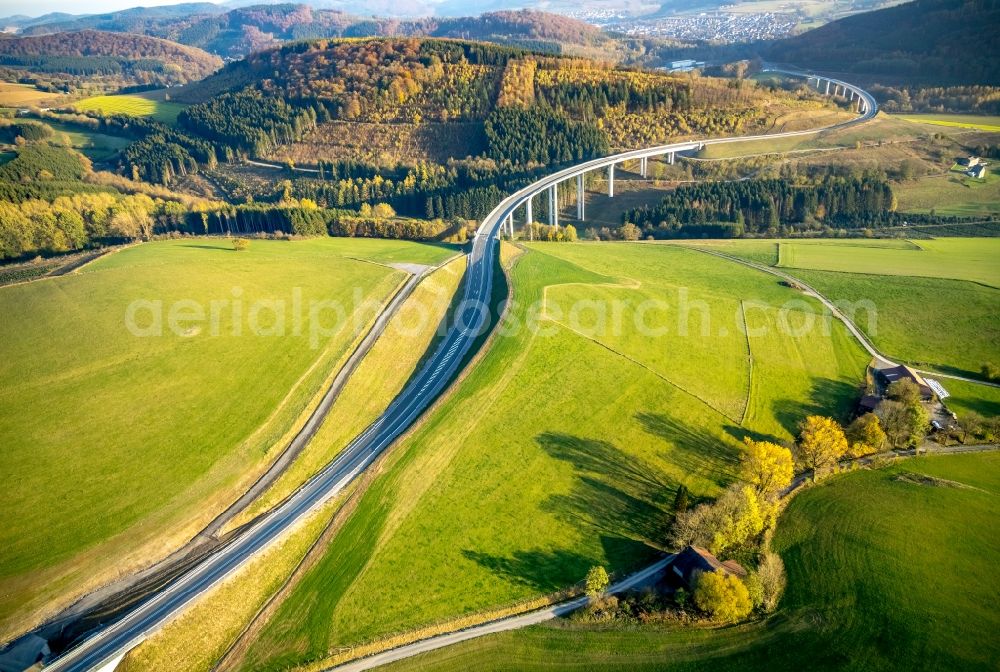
column 901, row 372
column 694, row 560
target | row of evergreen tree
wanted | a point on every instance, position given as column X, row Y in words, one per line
column 760, row 205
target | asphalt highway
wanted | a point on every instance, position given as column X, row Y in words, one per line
column 472, row 317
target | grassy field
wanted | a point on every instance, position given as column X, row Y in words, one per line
column 979, row 122
column 379, row 377
column 965, row 397
column 757, row 251
column 22, row 95
column 753, row 147
column 136, row 105
column 949, row 325
column 882, row 576
column 563, row 447
column 973, row 259
column 96, row 146
column 934, row 322
column 111, row 439
column 951, row 194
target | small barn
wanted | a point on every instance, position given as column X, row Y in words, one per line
column 693, row 560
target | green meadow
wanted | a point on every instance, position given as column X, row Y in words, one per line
column 96, row 146
column 135, row 105
column 972, row 397
column 122, row 443
column 973, row 121
column 973, row 259
column 948, row 325
column 951, row 193
column 931, row 303
column 564, row 445
column 885, row 572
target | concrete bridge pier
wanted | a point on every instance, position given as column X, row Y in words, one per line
column 828, row 87
column 643, row 166
column 611, row 181
column 580, row 201
column 554, row 205
column 528, row 217
column 670, row 158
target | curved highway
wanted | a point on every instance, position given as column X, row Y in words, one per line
column 108, row 645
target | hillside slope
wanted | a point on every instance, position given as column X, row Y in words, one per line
column 243, row 30
column 436, row 127
column 139, row 58
column 922, row 42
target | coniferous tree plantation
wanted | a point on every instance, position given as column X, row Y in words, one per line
column 766, row 206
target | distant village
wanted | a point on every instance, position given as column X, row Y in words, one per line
column 718, row 27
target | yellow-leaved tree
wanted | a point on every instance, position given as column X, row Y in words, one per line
column 766, row 466
column 821, row 444
column 722, row 596
column 865, row 435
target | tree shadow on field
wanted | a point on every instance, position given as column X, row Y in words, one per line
column 833, row 398
column 208, row 247
column 548, row 571
column 541, row 570
column 740, row 433
column 694, row 450
column 614, row 492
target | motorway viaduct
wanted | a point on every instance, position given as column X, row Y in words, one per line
column 102, row 649
column 860, row 100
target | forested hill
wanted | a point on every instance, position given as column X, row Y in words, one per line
column 417, row 81
column 137, row 58
column 404, row 118
column 240, row 31
column 939, row 42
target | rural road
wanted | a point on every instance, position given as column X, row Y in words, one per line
column 110, row 643
column 500, row 625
